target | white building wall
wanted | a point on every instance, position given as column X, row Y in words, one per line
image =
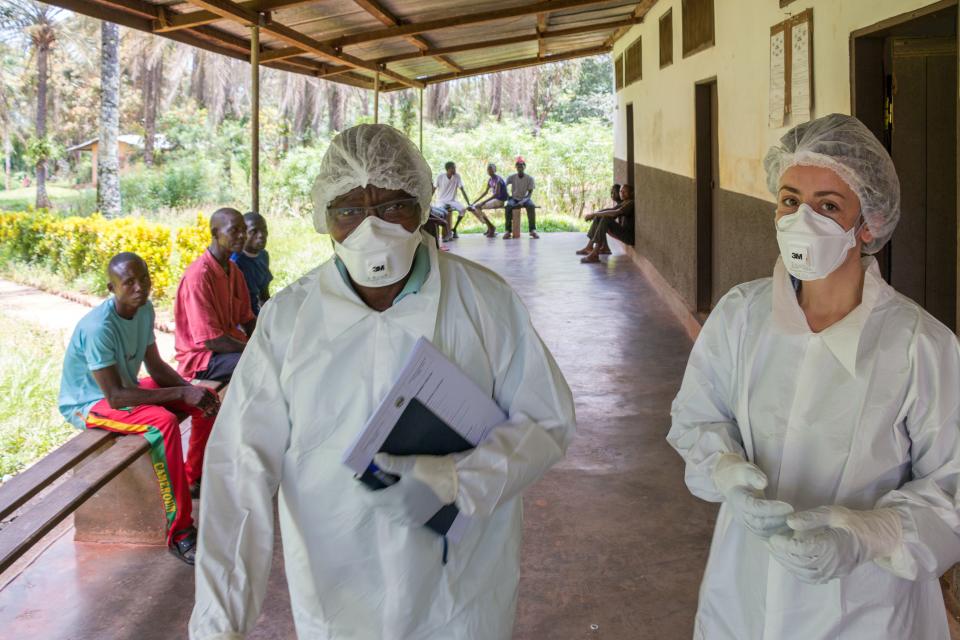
column 663, row 101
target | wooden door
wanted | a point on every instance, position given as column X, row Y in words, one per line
column 923, row 251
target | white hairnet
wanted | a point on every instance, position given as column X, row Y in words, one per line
column 845, row 145
column 374, row 154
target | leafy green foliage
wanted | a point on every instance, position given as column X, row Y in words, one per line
column 186, row 182
column 30, row 364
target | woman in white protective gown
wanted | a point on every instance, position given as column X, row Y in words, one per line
column 822, row 409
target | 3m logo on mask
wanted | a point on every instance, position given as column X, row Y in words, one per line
column 800, row 256
column 378, row 267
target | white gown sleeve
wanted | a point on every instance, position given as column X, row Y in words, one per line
column 241, row 474
column 703, row 426
column 533, row 392
column 928, row 503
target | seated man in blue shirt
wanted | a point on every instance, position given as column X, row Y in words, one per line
column 254, row 261
column 100, row 389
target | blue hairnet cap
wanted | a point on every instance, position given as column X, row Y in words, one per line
column 844, row 145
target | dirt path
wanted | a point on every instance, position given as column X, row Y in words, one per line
column 55, row 313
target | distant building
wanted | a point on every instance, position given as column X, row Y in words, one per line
column 129, row 145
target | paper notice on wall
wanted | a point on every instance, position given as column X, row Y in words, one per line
column 777, row 79
column 800, row 73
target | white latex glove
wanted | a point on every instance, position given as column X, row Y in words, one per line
column 437, row 472
column 742, row 484
column 409, row 502
column 830, row 542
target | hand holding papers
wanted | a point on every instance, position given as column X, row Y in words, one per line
column 433, row 409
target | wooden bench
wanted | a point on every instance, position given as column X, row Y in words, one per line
column 515, row 227
column 126, row 511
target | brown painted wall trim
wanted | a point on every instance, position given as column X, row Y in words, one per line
column 670, row 297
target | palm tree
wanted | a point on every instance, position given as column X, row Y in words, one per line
column 108, row 162
column 37, row 23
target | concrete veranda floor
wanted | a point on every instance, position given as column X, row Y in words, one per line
column 614, row 545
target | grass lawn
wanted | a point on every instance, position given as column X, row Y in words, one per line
column 30, row 426
column 25, row 197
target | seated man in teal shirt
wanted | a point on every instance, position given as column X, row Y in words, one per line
column 99, row 389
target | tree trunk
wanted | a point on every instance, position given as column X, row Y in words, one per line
column 496, row 101
column 334, row 107
column 438, row 103
column 43, row 52
column 6, row 156
column 153, row 83
column 108, row 166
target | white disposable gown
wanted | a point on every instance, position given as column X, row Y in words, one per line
column 864, row 415
column 318, row 364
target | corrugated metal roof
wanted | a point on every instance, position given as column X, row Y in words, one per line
column 410, row 42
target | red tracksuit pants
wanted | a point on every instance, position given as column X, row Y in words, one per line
column 161, row 428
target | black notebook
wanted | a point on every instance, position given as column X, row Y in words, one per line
column 419, row 431
column 434, row 408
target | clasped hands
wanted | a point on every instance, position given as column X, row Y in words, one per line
column 817, row 545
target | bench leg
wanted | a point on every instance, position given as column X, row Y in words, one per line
column 127, row 510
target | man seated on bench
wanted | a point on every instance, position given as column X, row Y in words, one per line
column 616, row 221
column 497, row 189
column 254, row 261
column 521, row 190
column 446, row 189
column 213, row 303
column 100, row 390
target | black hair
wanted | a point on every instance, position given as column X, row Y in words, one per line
column 123, row 258
column 252, row 217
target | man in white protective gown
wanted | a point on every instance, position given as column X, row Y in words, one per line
column 327, row 349
column 822, row 409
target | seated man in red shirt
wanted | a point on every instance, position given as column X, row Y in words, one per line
column 213, row 303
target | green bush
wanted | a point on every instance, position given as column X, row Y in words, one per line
column 178, row 183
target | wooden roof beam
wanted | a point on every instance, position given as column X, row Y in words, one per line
column 137, row 14
column 170, row 21
column 640, row 11
column 242, row 15
column 382, row 14
column 542, row 20
column 416, row 28
column 501, row 42
column 517, row 64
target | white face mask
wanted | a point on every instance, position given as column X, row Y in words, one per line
column 378, row 253
column 813, row 246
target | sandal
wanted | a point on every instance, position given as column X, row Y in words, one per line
column 590, row 259
column 584, row 252
column 185, row 549
column 534, row 234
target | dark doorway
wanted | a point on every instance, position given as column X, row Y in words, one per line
column 708, row 181
column 905, row 90
column 630, row 167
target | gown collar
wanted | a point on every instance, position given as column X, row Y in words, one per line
column 841, row 338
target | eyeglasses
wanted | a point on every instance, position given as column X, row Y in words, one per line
column 395, row 211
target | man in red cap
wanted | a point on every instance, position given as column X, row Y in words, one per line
column 521, row 189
